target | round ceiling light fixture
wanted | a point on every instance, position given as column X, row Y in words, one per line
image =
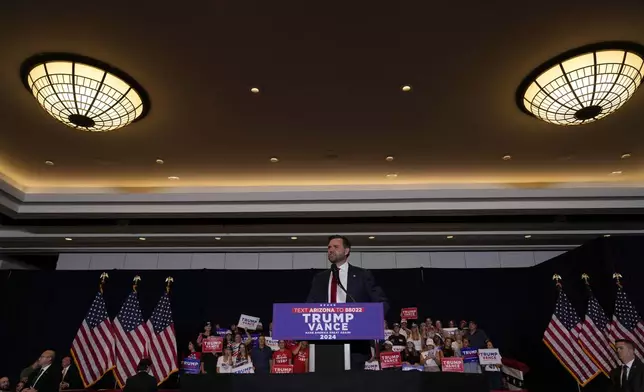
column 583, row 85
column 84, row 93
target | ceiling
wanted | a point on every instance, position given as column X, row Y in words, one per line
column 330, row 105
column 331, row 108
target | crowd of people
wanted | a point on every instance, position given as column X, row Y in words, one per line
column 44, row 375
column 425, row 344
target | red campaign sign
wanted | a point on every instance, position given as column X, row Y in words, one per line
column 213, row 344
column 409, row 313
column 389, row 360
column 282, row 369
column 454, row 365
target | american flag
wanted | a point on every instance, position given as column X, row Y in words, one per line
column 561, row 338
column 594, row 337
column 163, row 342
column 627, row 323
column 93, row 346
column 132, row 338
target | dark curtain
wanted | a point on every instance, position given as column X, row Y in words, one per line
column 43, row 309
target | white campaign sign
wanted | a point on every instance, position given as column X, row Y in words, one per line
column 248, row 322
column 244, row 369
column 398, row 349
column 372, row 365
column 489, row 356
column 272, row 343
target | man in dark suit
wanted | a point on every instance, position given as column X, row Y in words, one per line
column 360, row 286
column 70, row 378
column 630, row 376
column 47, row 378
column 142, row 381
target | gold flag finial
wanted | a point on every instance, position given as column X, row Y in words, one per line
column 617, row 276
column 104, row 277
column 135, row 282
column 557, row 279
column 168, row 282
column 585, row 277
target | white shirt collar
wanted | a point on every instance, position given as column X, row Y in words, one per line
column 44, row 368
column 630, row 363
column 344, row 266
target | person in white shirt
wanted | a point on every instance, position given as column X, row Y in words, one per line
column 225, row 362
column 46, row 379
column 629, row 377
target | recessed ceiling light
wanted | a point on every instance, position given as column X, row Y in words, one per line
column 67, row 239
column 616, row 172
column 142, row 238
column 626, row 156
column 507, row 157
column 274, row 159
column 49, row 163
column 293, row 238
column 406, row 88
column 173, row 178
column 527, row 236
column 556, row 91
column 392, row 175
column 160, row 161
column 104, row 98
column 372, row 237
column 389, row 158
column 254, row 90
column 606, row 235
column 449, row 237
column 218, row 238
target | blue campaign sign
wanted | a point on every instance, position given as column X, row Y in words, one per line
column 349, row 321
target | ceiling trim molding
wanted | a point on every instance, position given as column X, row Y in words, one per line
column 356, row 201
column 281, row 249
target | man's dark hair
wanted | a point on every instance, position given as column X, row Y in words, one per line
column 144, row 364
column 628, row 342
column 345, row 241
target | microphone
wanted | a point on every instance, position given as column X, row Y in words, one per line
column 336, row 274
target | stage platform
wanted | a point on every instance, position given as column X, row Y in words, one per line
column 386, row 381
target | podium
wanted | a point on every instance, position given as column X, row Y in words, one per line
column 329, row 328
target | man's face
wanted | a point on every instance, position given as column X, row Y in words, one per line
column 66, row 362
column 46, row 358
column 262, row 341
column 4, row 383
column 624, row 352
column 336, row 251
column 305, row 344
column 472, row 327
column 396, row 329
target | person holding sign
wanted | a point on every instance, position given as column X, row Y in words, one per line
column 329, row 287
column 410, row 356
column 493, row 372
column 243, row 358
column 431, row 358
column 282, row 356
column 470, row 358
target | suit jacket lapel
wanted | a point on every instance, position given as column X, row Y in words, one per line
column 351, row 282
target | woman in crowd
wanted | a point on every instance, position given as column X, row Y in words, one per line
column 225, row 362
column 238, row 342
column 410, row 355
column 415, row 338
column 228, row 340
column 448, row 351
column 242, row 358
column 458, row 343
column 431, row 358
column 439, row 328
column 192, row 352
column 451, row 324
column 493, row 372
column 282, row 356
column 207, row 332
column 470, row 358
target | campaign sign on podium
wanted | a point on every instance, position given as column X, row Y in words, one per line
column 348, row 321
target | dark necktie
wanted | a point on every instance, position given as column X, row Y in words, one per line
column 40, row 372
column 624, row 376
column 334, row 289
